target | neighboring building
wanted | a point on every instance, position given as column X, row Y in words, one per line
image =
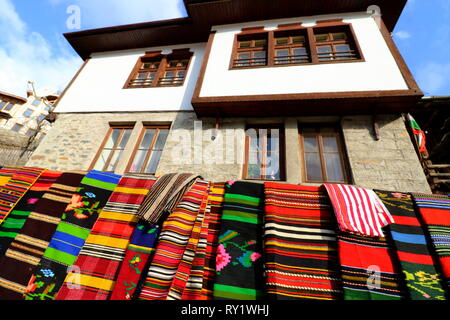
column 22, row 125
column 322, row 82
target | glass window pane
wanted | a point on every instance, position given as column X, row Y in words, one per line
column 311, row 144
column 244, row 44
column 125, row 138
column 161, row 141
column 114, row 161
column 273, row 166
column 244, row 55
column 330, row 144
column 260, row 43
column 333, row 166
column 153, row 163
column 254, row 171
column 9, row 107
column 339, row 36
column 142, row 75
column 298, row 39
column 146, row 66
column 114, row 137
column 322, row 37
column 36, row 102
column 28, row 113
column 324, row 49
column 148, row 138
column 299, row 51
column 282, row 53
column 101, row 162
column 313, row 168
column 138, row 161
column 342, row 48
column 2, row 104
column 281, row 41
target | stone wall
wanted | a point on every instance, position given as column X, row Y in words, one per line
column 390, row 163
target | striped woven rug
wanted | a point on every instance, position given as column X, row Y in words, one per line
column 15, row 189
column 27, row 249
column 188, row 277
column 300, row 244
column 435, row 212
column 423, row 281
column 96, row 268
column 215, row 204
column 13, row 224
column 71, row 233
column 172, row 242
column 368, row 269
column 137, row 257
column 6, row 174
column 239, row 268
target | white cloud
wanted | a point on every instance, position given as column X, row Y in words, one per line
column 27, row 55
column 434, row 78
column 402, row 34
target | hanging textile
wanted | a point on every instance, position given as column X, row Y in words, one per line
column 191, row 264
column 300, row 244
column 96, row 268
column 418, row 133
column 71, row 233
column 15, row 189
column 422, row 279
column 435, row 212
column 367, row 268
column 215, row 204
column 164, row 196
column 135, row 263
column 239, row 267
column 6, row 174
column 21, row 259
column 172, row 242
column 13, row 224
column 358, row 210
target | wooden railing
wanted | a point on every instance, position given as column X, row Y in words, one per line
column 438, row 175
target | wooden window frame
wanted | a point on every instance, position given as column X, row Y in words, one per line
column 105, row 141
column 310, row 44
column 163, row 60
column 290, row 33
column 345, row 164
column 282, row 152
column 6, row 105
column 149, row 151
column 250, row 33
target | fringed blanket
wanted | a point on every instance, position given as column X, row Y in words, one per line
column 71, row 233
column 172, row 243
column 96, row 268
column 239, row 265
column 13, row 224
column 423, row 281
column 21, row 259
column 300, row 244
column 15, row 189
column 435, row 212
column 165, row 196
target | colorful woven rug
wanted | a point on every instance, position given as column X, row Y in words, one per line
column 412, row 248
column 137, row 257
column 96, row 269
column 165, row 196
column 239, row 265
column 368, row 269
column 172, row 243
column 358, row 210
column 435, row 212
column 300, row 244
column 188, row 277
column 15, row 189
column 13, row 224
column 71, row 233
column 215, row 204
column 6, row 174
column 27, row 249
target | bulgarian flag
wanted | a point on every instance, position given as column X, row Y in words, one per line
column 419, row 134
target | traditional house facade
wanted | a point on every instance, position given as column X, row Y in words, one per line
column 298, row 91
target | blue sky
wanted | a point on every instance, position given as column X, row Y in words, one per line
column 32, row 46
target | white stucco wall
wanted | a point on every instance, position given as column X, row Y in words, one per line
column 99, row 87
column 378, row 72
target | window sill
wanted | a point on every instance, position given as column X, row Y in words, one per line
column 299, row 64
